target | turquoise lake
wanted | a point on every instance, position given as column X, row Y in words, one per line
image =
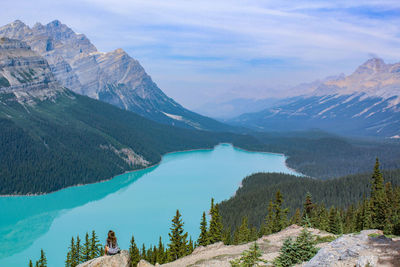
column 141, row 203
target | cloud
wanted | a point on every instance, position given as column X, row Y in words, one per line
column 198, row 49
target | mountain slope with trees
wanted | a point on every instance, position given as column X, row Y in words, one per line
column 52, row 138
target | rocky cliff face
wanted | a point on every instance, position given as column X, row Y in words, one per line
column 24, row 75
column 112, row 77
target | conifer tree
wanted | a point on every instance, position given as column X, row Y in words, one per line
column 296, row 219
column 190, row 247
column 249, row 258
column 86, row 249
column 178, row 242
column 253, row 234
column 134, row 254
column 216, row 227
column 95, row 247
column 308, row 207
column 349, row 220
column 322, row 220
column 305, row 246
column 203, row 237
column 42, row 262
column 30, row 263
column 244, row 231
column 78, row 250
column 226, row 236
column 335, row 222
column 268, row 219
column 161, row 252
column 364, row 215
column 143, row 253
column 288, row 254
column 378, row 198
column 279, row 221
column 71, row 258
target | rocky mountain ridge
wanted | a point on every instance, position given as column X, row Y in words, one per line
column 365, row 103
column 113, row 77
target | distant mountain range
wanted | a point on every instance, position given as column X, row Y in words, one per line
column 52, row 138
column 112, row 77
column 366, row 103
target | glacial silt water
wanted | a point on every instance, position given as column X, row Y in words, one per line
column 141, row 203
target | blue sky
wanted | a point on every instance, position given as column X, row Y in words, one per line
column 205, row 51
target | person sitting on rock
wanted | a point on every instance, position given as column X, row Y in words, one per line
column 111, row 247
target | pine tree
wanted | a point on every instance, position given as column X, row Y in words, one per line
column 226, row 236
column 323, row 218
column 216, row 227
column 190, row 247
column 300, row 250
column 86, row 249
column 363, row 215
column 30, row 263
column 296, row 219
column 143, row 253
column 249, row 258
column 305, row 246
column 134, row 254
column 349, row 220
column 288, row 254
column 178, row 242
column 335, row 222
column 253, row 234
column 244, row 231
column 279, row 220
column 95, row 247
column 42, row 262
column 268, row 219
column 378, row 198
column 308, row 208
column 78, row 250
column 161, row 252
column 71, row 259
column 203, row 237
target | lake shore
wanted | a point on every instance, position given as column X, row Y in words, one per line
column 155, row 165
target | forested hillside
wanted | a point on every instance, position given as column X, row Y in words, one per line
column 78, row 140
column 323, row 155
column 257, row 190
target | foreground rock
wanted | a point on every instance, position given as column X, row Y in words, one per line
column 359, row 250
column 119, row 260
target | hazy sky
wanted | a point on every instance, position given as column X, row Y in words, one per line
column 200, row 51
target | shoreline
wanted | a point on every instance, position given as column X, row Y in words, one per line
column 154, row 165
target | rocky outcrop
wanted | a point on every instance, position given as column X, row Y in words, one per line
column 112, row 77
column 118, row 260
column 359, row 250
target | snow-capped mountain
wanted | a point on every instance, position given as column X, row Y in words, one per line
column 112, row 77
column 367, row 102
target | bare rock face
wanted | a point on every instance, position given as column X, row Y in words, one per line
column 118, row 260
column 24, row 74
column 359, row 250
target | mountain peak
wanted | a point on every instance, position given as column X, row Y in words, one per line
column 55, row 23
column 372, row 65
column 18, row 23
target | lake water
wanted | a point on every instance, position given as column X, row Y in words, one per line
column 140, row 203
